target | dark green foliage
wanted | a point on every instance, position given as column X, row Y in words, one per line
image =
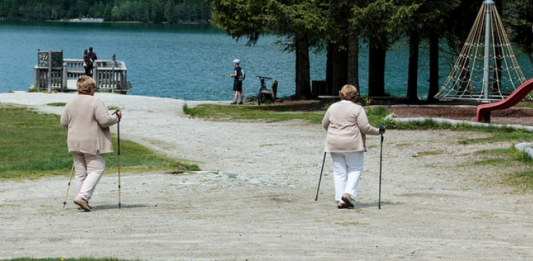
column 156, row 11
column 519, row 15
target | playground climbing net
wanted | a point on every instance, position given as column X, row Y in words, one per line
column 487, row 68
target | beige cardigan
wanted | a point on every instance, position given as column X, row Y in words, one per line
column 347, row 126
column 88, row 121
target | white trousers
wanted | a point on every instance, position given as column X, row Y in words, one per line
column 347, row 169
column 89, row 169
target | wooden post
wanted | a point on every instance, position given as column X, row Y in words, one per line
column 64, row 77
column 113, row 82
column 49, row 82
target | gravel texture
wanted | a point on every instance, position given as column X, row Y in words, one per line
column 255, row 196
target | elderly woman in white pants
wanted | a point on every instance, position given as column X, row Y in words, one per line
column 347, row 126
column 89, row 138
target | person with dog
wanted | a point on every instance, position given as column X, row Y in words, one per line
column 347, row 125
column 89, row 138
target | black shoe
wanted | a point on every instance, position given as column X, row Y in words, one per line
column 233, row 103
column 341, row 205
column 240, row 103
column 347, row 200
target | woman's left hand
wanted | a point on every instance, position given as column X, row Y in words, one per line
column 381, row 129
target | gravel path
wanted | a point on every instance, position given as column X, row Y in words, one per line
column 255, row 197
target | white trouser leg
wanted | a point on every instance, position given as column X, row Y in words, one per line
column 89, row 169
column 80, row 167
column 347, row 169
column 355, row 165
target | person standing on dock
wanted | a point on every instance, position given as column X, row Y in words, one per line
column 237, row 82
column 85, row 53
column 90, row 60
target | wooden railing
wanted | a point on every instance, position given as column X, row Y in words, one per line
column 109, row 75
column 48, row 79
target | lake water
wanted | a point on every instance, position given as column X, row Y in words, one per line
column 191, row 62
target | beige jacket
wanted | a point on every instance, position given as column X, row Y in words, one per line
column 88, row 121
column 347, row 126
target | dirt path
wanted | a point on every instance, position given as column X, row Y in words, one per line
column 255, row 198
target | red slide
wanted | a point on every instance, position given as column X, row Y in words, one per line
column 483, row 110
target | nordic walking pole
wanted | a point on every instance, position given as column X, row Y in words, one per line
column 320, row 179
column 118, row 155
column 380, row 161
column 68, row 188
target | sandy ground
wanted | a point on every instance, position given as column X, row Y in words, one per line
column 255, row 197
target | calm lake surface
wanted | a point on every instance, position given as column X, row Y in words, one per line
column 191, row 62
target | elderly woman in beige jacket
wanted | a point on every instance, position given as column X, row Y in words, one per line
column 347, row 126
column 89, row 138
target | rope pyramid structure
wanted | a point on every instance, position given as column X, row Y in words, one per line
column 487, row 69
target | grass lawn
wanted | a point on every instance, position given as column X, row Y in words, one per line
column 312, row 112
column 34, row 145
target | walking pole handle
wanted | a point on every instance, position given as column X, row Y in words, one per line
column 116, row 112
column 118, row 130
column 381, row 131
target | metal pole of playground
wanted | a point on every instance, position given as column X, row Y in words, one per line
column 489, row 4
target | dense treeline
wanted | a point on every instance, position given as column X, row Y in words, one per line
column 342, row 27
column 156, row 11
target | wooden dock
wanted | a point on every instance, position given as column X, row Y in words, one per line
column 53, row 73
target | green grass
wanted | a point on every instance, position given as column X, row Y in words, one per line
column 311, row 113
column 57, row 104
column 521, row 178
column 35, row 145
column 430, row 153
column 62, row 104
column 525, row 104
column 262, row 113
column 523, row 181
column 430, row 124
column 503, row 136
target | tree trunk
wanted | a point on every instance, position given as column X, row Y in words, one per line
column 412, row 75
column 329, row 68
column 353, row 61
column 339, row 68
column 303, row 78
column 433, row 67
column 376, row 70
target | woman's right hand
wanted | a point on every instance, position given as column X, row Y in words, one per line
column 119, row 114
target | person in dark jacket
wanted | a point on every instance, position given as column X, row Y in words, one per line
column 90, row 60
